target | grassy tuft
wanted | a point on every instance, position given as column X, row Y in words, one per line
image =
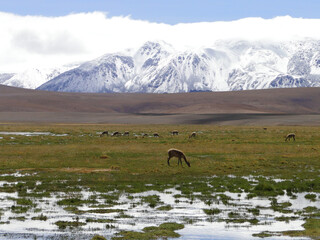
column 164, row 231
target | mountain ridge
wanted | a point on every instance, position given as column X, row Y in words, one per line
column 157, row 68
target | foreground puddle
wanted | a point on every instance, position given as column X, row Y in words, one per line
column 81, row 215
column 30, row 134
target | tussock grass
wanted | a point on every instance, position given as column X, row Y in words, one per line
column 164, row 231
column 69, row 224
column 312, row 229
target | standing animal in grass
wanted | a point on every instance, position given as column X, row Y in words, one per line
column 156, row 134
column 115, row 134
column 291, row 135
column 175, row 132
column 193, row 135
column 104, row 133
column 179, row 154
column 126, row 133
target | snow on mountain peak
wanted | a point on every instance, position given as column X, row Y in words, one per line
column 156, row 67
column 33, row 77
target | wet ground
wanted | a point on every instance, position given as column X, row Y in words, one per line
column 80, row 215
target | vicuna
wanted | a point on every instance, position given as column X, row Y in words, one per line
column 115, row 134
column 177, row 153
column 290, row 135
column 104, row 133
column 174, row 132
column 193, row 135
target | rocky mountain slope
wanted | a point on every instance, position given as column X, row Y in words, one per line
column 157, row 67
column 33, row 77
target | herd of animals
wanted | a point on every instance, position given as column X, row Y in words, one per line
column 172, row 152
column 114, row 134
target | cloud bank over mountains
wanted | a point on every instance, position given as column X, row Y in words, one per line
column 38, row 41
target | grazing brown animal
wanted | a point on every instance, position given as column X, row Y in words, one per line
column 175, row 132
column 115, row 134
column 104, row 133
column 291, row 135
column 126, row 133
column 156, row 134
column 177, row 153
column 193, row 135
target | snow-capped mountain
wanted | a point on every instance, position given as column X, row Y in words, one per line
column 106, row 74
column 33, row 77
column 5, row 76
column 156, row 67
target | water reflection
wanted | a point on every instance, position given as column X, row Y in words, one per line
column 133, row 212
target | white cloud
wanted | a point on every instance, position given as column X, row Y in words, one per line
column 60, row 43
column 28, row 41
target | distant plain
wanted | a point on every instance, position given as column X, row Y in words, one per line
column 299, row 106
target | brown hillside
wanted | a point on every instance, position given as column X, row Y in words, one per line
column 23, row 105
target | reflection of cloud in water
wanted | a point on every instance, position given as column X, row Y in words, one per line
column 17, row 174
column 221, row 231
column 138, row 214
column 30, row 134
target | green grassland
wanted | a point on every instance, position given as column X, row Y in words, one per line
column 84, row 159
column 215, row 151
column 219, row 151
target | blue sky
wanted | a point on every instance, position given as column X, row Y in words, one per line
column 169, row 11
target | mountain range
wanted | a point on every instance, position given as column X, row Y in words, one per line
column 156, row 67
column 33, row 77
